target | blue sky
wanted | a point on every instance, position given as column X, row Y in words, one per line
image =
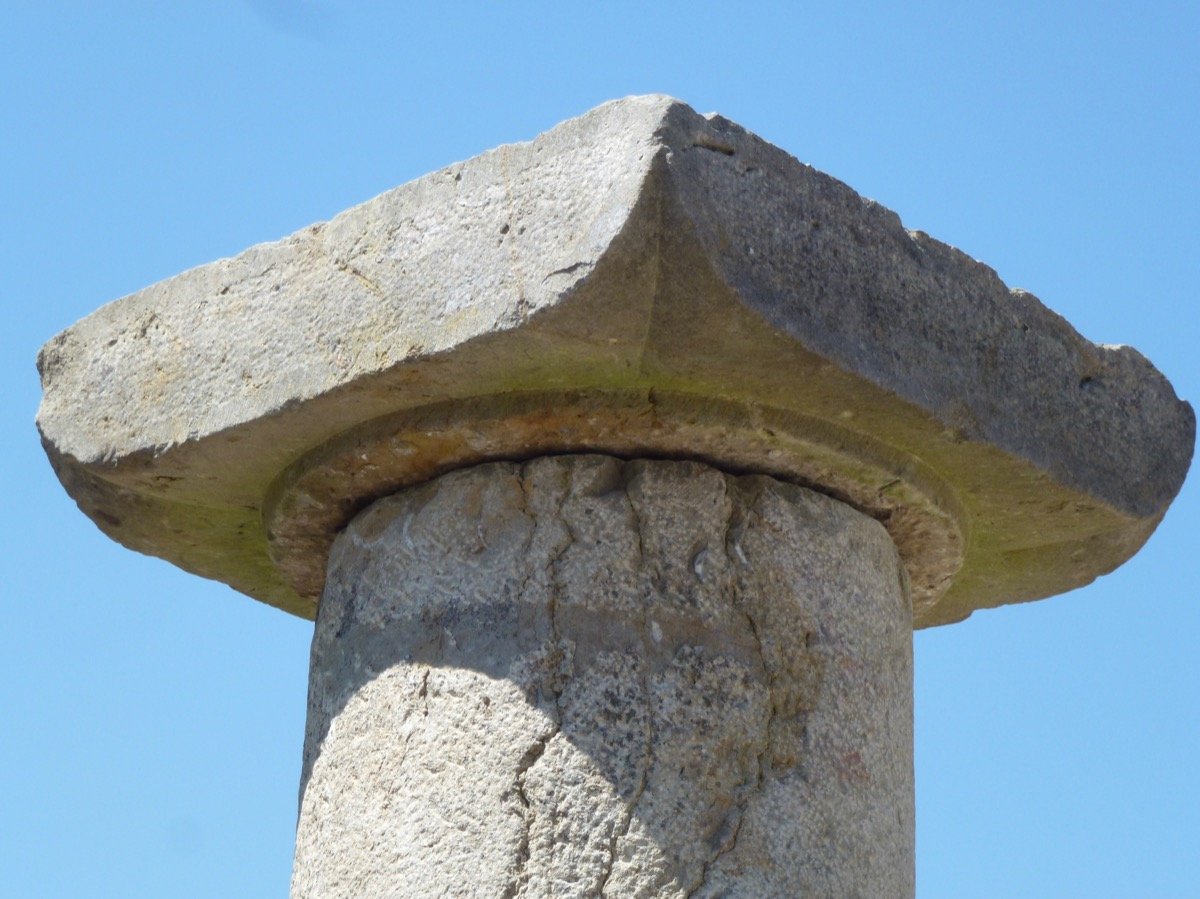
column 153, row 721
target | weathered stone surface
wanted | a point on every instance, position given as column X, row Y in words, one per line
column 643, row 281
column 580, row 677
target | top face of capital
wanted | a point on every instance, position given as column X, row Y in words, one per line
column 642, row 281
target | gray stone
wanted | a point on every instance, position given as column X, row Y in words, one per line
column 581, row 677
column 642, row 281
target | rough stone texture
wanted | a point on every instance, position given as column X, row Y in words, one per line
column 681, row 288
column 581, row 677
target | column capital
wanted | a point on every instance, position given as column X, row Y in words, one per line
column 642, row 281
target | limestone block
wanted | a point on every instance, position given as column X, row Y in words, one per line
column 580, row 677
column 642, row 281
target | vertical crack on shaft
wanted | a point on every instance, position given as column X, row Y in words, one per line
column 555, row 661
column 737, row 517
column 622, row 829
column 535, row 752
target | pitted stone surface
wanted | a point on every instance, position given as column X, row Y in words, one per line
column 683, row 283
column 582, row 677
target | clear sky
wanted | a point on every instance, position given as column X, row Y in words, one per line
column 153, row 721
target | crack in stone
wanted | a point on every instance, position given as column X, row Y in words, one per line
column 423, row 695
column 531, row 757
column 637, row 519
column 567, row 270
column 729, row 845
column 622, row 830
column 423, row 692
column 739, row 511
column 523, row 483
column 554, row 663
column 770, row 670
column 370, row 284
column 343, row 264
column 555, row 588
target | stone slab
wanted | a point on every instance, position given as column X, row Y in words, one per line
column 641, row 270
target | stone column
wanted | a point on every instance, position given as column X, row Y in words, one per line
column 568, row 675
column 581, row 677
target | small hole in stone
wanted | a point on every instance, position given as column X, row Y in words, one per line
column 504, row 228
column 1086, row 383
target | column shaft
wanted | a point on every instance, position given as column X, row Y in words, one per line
column 582, row 677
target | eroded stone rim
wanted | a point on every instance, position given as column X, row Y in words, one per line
column 312, row 500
